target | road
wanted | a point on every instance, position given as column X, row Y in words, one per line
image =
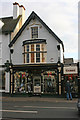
column 36, row 107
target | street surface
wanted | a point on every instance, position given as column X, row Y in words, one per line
column 38, row 107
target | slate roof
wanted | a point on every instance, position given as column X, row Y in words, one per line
column 35, row 16
column 9, row 24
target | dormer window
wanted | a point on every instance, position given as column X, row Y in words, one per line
column 34, row 32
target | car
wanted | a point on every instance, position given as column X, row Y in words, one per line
column 78, row 104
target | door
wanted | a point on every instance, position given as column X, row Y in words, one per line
column 37, row 84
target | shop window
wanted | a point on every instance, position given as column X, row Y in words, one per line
column 50, row 83
column 73, row 82
column 34, row 32
column 2, row 79
column 20, row 82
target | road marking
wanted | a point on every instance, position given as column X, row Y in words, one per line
column 18, row 111
column 48, row 107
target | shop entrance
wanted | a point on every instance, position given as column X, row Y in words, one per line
column 73, row 82
column 37, row 84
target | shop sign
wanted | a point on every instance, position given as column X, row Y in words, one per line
column 70, row 70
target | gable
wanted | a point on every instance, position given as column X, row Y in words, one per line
column 35, row 16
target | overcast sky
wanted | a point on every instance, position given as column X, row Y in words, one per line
column 60, row 15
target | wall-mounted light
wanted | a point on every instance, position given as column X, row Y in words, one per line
column 11, row 51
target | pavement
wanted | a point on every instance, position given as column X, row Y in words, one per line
column 38, row 98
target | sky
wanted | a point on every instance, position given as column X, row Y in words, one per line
column 60, row 15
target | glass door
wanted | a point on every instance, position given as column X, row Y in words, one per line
column 37, row 84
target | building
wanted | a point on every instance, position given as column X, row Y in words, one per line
column 71, row 73
column 32, row 53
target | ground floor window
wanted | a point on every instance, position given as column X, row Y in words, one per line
column 25, row 82
column 20, row 82
column 2, row 79
column 50, row 83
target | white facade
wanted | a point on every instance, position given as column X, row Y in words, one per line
column 51, row 46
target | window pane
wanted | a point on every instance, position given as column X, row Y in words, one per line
column 28, row 58
column 34, row 32
column 32, row 57
column 42, row 47
column 27, row 48
column 32, row 47
column 37, row 57
column 43, row 58
column 37, row 47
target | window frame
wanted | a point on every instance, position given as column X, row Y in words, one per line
column 34, row 32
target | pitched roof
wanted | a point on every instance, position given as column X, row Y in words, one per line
column 35, row 16
column 9, row 24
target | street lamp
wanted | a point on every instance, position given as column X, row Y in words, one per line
column 7, row 64
column 11, row 51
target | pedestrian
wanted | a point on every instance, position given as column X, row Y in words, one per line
column 68, row 90
column 29, row 90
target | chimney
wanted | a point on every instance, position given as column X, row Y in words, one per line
column 22, row 12
column 15, row 10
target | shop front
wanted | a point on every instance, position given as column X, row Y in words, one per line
column 37, row 79
column 71, row 74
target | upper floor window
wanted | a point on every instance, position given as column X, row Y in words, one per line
column 34, row 32
column 37, row 47
column 32, row 47
column 35, row 53
column 27, row 48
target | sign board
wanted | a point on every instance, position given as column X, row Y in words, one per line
column 37, row 89
column 70, row 70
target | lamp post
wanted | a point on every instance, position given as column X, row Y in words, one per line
column 62, row 84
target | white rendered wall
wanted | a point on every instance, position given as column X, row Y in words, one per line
column 7, row 82
column 52, row 51
column 5, row 48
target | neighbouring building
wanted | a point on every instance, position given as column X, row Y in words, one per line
column 71, row 73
